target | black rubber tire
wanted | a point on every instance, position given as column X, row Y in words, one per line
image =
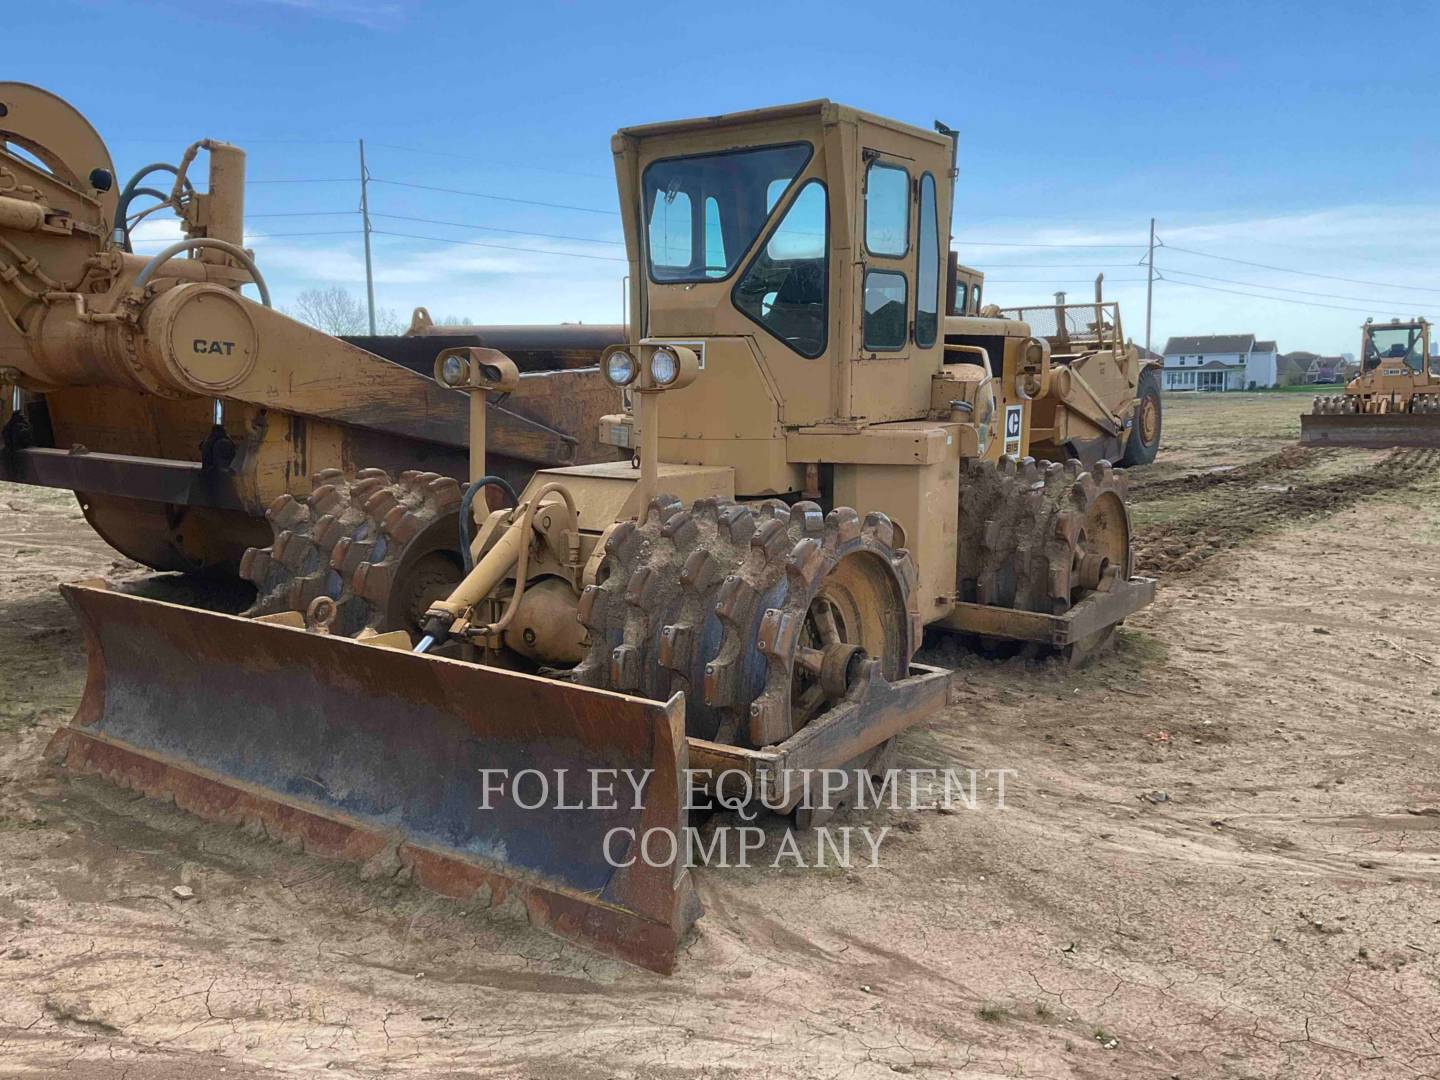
column 1139, row 451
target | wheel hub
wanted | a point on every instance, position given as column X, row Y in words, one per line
column 1149, row 420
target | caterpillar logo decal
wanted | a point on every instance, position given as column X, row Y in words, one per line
column 1014, row 415
column 209, row 347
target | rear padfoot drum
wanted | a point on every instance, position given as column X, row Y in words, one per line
column 383, row 549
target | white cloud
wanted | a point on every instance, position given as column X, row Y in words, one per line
column 155, row 232
column 372, row 14
column 1383, row 252
column 489, row 286
column 1380, row 247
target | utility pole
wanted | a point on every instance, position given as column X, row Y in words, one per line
column 1150, row 284
column 365, row 217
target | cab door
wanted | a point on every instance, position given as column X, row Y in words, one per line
column 880, row 373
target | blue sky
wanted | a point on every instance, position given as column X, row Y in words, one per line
column 1300, row 136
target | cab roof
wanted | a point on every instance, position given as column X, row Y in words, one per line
column 822, row 109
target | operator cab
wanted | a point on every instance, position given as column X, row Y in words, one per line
column 967, row 286
column 1405, row 342
column 800, row 251
column 704, row 212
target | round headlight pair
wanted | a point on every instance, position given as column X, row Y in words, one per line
column 1034, row 354
column 621, row 368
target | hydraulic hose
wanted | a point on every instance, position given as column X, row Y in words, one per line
column 470, row 492
column 239, row 254
column 133, row 189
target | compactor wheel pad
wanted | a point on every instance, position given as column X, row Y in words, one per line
column 716, row 600
column 1040, row 536
column 382, row 549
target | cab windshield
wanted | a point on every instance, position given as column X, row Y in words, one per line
column 702, row 213
column 1394, row 343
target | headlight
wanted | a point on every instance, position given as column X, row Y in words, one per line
column 453, row 371
column 1034, row 354
column 664, row 366
column 620, row 368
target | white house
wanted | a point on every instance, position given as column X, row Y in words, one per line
column 1219, row 362
column 1262, row 366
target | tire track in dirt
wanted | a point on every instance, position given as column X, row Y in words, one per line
column 1291, row 459
column 1185, row 543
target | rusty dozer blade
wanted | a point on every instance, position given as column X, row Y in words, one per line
column 356, row 750
column 1376, row 431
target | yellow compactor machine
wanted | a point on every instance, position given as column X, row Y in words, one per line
column 1393, row 401
column 819, row 463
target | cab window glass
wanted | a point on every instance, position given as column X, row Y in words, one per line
column 786, row 287
column 670, row 230
column 975, row 299
column 927, row 273
column 887, row 210
column 714, row 240
column 774, row 191
column 885, row 310
column 703, row 212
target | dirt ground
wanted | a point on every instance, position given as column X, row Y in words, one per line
column 1219, row 855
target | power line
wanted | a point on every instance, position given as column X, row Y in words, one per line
column 491, row 162
column 1306, row 273
column 307, row 180
column 1061, row 266
column 233, row 140
column 496, row 228
column 1281, row 288
column 498, row 247
column 1012, row 243
column 302, row 213
column 1257, row 296
column 256, row 236
column 498, row 198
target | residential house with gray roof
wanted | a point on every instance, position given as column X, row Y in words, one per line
column 1219, row 362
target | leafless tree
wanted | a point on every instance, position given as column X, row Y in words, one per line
column 337, row 311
